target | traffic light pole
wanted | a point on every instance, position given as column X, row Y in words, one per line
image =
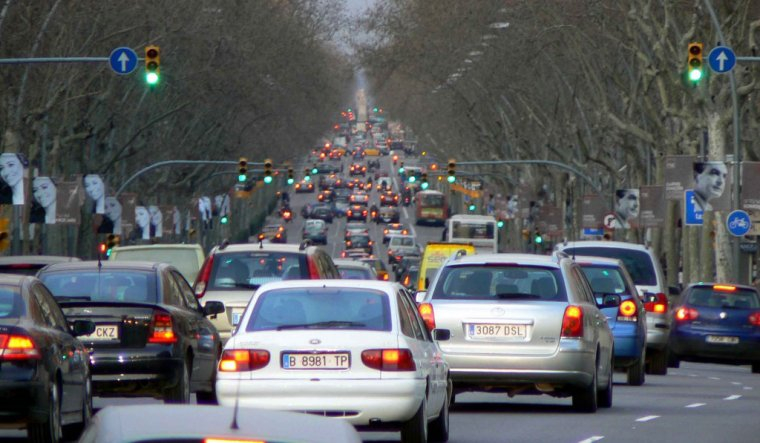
column 560, row 165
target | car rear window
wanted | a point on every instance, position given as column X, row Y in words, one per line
column 500, row 282
column 11, row 304
column 251, row 269
column 605, row 279
column 21, row 268
column 355, row 273
column 185, row 260
column 638, row 263
column 104, row 286
column 321, row 308
column 707, row 297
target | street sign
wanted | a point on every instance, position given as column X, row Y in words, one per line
column 748, row 248
column 593, row 232
column 609, row 221
column 738, row 223
column 692, row 214
column 123, row 60
column 721, row 59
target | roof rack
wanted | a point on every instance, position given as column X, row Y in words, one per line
column 460, row 253
column 559, row 255
column 224, row 244
column 304, row 244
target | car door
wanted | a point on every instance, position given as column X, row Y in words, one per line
column 207, row 344
column 601, row 332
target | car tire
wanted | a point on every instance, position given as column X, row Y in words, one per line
column 415, row 429
column 658, row 364
column 756, row 368
column 51, row 429
column 73, row 431
column 180, row 393
column 585, row 399
column 673, row 360
column 636, row 372
column 604, row 396
column 438, row 429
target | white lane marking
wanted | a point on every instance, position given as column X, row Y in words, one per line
column 747, row 388
column 647, row 418
column 733, row 397
column 592, row 439
column 736, row 383
column 692, row 375
column 714, row 378
column 695, row 405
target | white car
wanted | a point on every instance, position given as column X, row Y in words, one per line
column 354, row 349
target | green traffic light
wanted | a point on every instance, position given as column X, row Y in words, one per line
column 307, row 178
column 412, row 179
column 242, row 178
column 374, row 109
column 500, row 224
column 451, row 179
column 472, row 208
column 314, row 170
column 268, row 179
column 695, row 75
column 424, row 185
column 401, row 170
column 539, row 240
column 224, row 220
column 151, row 78
column 290, row 181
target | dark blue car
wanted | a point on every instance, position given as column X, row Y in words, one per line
column 609, row 278
column 717, row 323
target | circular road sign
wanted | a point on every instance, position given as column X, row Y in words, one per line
column 738, row 223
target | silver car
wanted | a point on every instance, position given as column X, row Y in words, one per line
column 522, row 324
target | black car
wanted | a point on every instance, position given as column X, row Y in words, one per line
column 322, row 212
column 152, row 337
column 45, row 380
column 360, row 241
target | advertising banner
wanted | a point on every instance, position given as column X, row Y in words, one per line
column 593, row 209
column 653, row 206
column 750, row 195
column 679, row 175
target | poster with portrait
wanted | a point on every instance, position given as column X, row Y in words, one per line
column 593, row 209
column 44, row 201
column 95, row 189
column 653, row 206
column 750, row 195
column 69, row 197
column 14, row 170
column 128, row 201
column 678, row 175
column 204, row 212
column 156, row 221
column 711, row 186
column 550, row 220
column 111, row 219
column 142, row 223
column 625, row 207
column 167, row 212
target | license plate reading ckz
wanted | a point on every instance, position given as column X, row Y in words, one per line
column 103, row 333
column 319, row 360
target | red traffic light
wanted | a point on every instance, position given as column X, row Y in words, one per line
column 102, row 248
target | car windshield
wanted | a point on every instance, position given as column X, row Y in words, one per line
column 249, row 270
column 638, row 263
column 321, row 308
column 11, row 304
column 355, row 273
column 108, row 285
column 605, row 279
column 496, row 282
column 707, row 297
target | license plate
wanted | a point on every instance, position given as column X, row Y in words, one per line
column 103, row 333
column 319, row 360
column 236, row 318
column 486, row 330
column 720, row 339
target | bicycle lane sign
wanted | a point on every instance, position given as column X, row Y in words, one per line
column 738, row 223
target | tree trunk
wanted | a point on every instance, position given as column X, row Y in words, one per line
column 672, row 254
column 717, row 151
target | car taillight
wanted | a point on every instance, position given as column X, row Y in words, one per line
column 687, row 314
column 17, row 347
column 386, row 277
column 627, row 311
column 239, row 360
column 161, row 329
column 754, row 318
column 389, row 359
column 313, row 271
column 205, row 274
column 398, row 258
column 572, row 322
column 427, row 314
column 348, row 243
column 658, row 304
column 385, row 232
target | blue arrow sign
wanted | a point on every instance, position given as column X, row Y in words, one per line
column 721, row 59
column 738, row 223
column 123, row 60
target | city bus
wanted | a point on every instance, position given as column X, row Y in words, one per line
column 480, row 230
column 430, row 207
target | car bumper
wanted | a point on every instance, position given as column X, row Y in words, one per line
column 360, row 402
column 695, row 346
column 135, row 372
column 22, row 402
column 658, row 332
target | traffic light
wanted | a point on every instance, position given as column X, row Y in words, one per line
column 242, row 169
column 695, row 65
column 452, row 171
column 225, row 219
column 424, row 183
column 472, row 207
column 500, row 224
column 268, row 171
column 152, row 64
column 412, row 179
column 306, row 175
column 374, row 109
column 102, row 249
column 111, row 241
column 401, row 168
column 291, row 178
column 314, row 169
column 537, row 238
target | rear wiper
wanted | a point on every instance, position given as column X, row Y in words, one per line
column 246, row 285
column 513, row 296
column 73, row 297
column 323, row 324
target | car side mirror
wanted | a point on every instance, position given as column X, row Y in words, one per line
column 674, row 290
column 213, row 307
column 82, row 327
column 419, row 296
column 610, row 300
column 441, row 334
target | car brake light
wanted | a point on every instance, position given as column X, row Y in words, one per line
column 427, row 314
column 389, row 359
column 313, row 271
column 725, row 288
column 659, row 304
column 627, row 311
column 205, row 274
column 161, row 329
column 572, row 322
column 687, row 314
column 386, row 277
column 17, row 347
column 239, row 360
column 754, row 318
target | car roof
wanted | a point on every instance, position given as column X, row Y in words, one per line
column 587, row 259
column 136, row 422
column 522, row 259
column 251, row 247
column 347, row 263
column 384, row 286
column 91, row 265
column 193, row 246
column 14, row 279
column 708, row 284
column 602, row 244
column 36, row 259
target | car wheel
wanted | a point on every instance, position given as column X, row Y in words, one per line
column 72, row 432
column 584, row 399
column 438, row 429
column 50, row 430
column 673, row 360
column 180, row 393
column 636, row 372
column 756, row 368
column 415, row 430
column 604, row 397
column 658, row 364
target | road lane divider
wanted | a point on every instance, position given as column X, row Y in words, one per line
column 647, row 418
column 695, row 405
column 733, row 397
column 592, row 439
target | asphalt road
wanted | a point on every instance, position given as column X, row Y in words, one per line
column 695, row 403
